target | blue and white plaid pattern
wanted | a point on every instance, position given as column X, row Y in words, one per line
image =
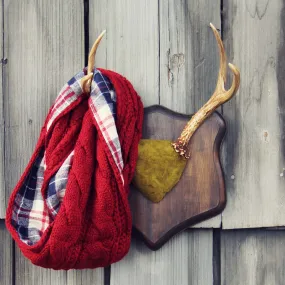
column 57, row 186
column 31, row 216
column 102, row 104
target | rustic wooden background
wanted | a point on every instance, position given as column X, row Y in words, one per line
column 168, row 52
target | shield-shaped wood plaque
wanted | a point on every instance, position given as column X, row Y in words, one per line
column 200, row 193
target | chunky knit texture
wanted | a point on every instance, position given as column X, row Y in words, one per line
column 93, row 226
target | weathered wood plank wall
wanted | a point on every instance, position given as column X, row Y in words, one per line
column 44, row 44
column 3, row 194
column 6, row 256
column 253, row 257
column 131, row 44
column 169, row 54
column 254, row 146
column 186, row 259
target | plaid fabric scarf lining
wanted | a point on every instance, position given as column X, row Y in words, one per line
column 30, row 217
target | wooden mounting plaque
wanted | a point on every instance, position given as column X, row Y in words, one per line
column 200, row 193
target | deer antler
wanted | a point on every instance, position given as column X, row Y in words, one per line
column 86, row 80
column 219, row 97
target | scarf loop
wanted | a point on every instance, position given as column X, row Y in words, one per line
column 70, row 208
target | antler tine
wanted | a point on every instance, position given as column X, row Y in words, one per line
column 235, row 84
column 220, row 87
column 86, row 80
column 223, row 59
column 219, row 97
column 92, row 53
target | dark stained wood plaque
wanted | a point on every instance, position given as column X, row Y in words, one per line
column 200, row 193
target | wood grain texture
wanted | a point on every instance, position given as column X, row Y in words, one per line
column 184, row 260
column 29, row 274
column 188, row 58
column 254, row 146
column 200, row 192
column 6, row 256
column 252, row 257
column 85, row 277
column 131, row 44
column 2, row 179
column 44, row 44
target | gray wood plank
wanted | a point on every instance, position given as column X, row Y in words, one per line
column 2, row 180
column 85, row 277
column 252, row 257
column 131, row 44
column 186, row 259
column 6, row 256
column 188, row 53
column 188, row 58
column 254, row 146
column 44, row 44
column 29, row 274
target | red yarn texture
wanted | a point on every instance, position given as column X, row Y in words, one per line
column 93, row 226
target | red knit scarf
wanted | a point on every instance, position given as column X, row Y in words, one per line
column 92, row 227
